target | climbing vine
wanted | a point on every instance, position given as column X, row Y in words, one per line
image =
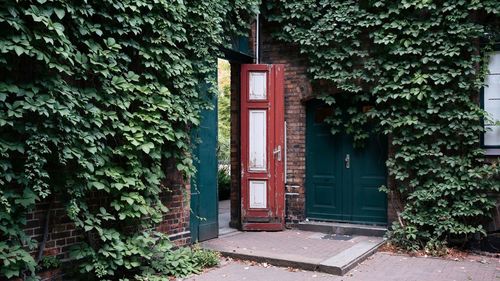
column 411, row 70
column 97, row 99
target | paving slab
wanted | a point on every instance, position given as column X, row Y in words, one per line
column 237, row 271
column 380, row 266
column 391, row 267
column 300, row 249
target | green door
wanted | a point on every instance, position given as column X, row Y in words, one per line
column 342, row 182
column 204, row 192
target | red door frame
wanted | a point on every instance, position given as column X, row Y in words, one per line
column 272, row 217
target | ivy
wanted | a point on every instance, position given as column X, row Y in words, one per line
column 419, row 66
column 97, row 98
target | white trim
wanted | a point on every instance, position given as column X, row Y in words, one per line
column 492, row 151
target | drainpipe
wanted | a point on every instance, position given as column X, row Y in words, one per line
column 257, row 39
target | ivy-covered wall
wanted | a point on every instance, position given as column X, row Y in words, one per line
column 97, row 100
column 420, row 64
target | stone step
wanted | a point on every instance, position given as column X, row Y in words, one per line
column 346, row 260
column 303, row 250
column 342, row 228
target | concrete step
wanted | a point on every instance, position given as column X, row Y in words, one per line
column 303, row 250
column 342, row 228
column 346, row 260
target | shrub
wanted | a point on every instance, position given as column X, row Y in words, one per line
column 185, row 261
column 224, row 183
column 206, row 258
column 48, row 262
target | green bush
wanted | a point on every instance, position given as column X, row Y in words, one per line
column 224, row 183
column 185, row 261
column 48, row 262
column 206, row 258
column 178, row 263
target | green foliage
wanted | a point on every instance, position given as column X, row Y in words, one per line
column 205, row 258
column 14, row 260
column 224, row 127
column 224, row 112
column 185, row 261
column 420, row 66
column 97, row 99
column 224, row 182
column 48, row 262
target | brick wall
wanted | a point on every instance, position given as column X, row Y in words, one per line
column 177, row 199
column 61, row 231
column 297, row 88
column 235, row 147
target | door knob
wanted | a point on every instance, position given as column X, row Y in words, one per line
column 347, row 161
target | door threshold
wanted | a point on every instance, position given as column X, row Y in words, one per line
column 341, row 228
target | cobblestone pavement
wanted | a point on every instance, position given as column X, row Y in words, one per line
column 381, row 266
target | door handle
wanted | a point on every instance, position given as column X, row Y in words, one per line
column 277, row 151
column 347, row 161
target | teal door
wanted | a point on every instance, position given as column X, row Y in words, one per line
column 342, row 182
column 204, row 192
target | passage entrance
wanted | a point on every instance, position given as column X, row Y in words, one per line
column 342, row 182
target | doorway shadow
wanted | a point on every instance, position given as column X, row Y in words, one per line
column 225, row 217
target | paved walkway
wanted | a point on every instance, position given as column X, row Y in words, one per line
column 381, row 266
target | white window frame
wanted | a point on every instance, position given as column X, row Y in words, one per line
column 490, row 149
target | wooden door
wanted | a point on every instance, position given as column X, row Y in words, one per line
column 262, row 147
column 204, row 191
column 342, row 182
column 324, row 189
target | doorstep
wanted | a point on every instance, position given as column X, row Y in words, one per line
column 330, row 253
column 342, row 228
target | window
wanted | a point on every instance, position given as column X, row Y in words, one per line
column 491, row 104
